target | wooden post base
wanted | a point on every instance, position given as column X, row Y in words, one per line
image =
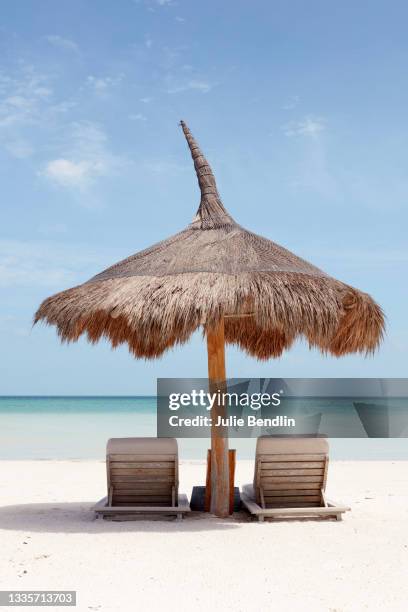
column 232, row 463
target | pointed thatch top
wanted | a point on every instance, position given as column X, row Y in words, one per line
column 214, row 268
column 211, row 213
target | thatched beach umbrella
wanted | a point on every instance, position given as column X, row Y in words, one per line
column 240, row 288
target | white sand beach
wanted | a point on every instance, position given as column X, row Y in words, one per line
column 50, row 540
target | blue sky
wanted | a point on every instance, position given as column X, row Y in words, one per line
column 301, row 110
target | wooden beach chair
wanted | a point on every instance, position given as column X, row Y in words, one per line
column 142, row 475
column 290, row 479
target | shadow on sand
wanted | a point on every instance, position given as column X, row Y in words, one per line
column 78, row 517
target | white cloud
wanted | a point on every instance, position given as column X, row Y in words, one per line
column 85, row 157
column 309, row 126
column 193, row 84
column 152, row 3
column 49, row 264
column 62, row 43
column 23, row 97
column 148, row 42
column 102, row 84
column 137, row 117
column 17, row 102
column 180, row 19
column 146, row 100
column 170, row 58
column 28, row 264
column 64, row 106
column 203, row 86
column 314, row 173
column 70, row 173
column 19, row 148
column 292, row 103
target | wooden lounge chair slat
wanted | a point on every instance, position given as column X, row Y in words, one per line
column 293, row 457
column 142, row 499
column 140, row 478
column 301, row 504
column 297, row 472
column 277, row 486
column 272, row 500
column 155, row 489
column 146, row 465
column 141, row 458
column 291, row 492
column 284, row 465
column 143, row 503
column 138, row 494
column 279, row 479
column 150, row 472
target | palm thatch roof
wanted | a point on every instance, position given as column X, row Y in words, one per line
column 215, row 268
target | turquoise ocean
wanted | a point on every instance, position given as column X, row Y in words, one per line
column 78, row 428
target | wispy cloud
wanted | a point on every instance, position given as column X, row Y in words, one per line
column 62, row 43
column 292, row 103
column 63, row 107
column 137, row 117
column 68, row 173
column 101, row 85
column 200, row 85
column 32, row 264
column 152, row 5
column 19, row 148
column 314, row 172
column 23, row 97
column 146, row 100
column 85, row 157
column 48, row 264
column 309, row 126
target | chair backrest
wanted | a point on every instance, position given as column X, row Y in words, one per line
column 142, row 471
column 290, row 471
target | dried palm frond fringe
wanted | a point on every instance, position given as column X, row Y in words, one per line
column 153, row 314
column 157, row 298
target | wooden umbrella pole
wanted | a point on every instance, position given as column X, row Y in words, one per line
column 220, row 505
